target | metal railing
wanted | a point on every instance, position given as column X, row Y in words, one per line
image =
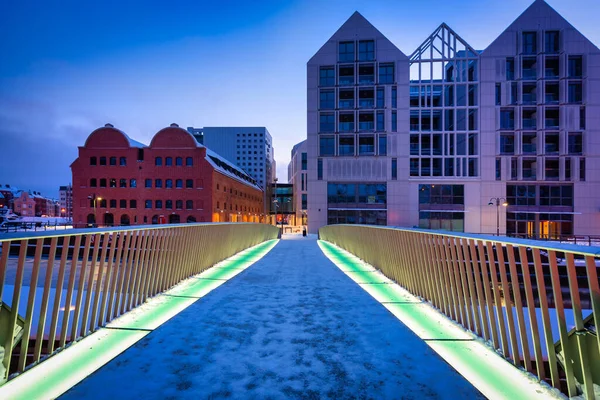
column 519, row 295
column 58, row 287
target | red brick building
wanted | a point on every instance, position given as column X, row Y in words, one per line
column 119, row 181
column 25, row 205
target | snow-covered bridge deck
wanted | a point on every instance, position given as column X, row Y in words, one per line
column 292, row 325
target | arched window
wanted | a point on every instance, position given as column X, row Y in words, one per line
column 155, row 219
column 158, row 161
column 174, row 219
column 91, row 219
column 191, row 218
column 125, row 219
column 168, row 161
column 189, row 161
column 179, row 161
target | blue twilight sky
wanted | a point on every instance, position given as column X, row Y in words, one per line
column 68, row 67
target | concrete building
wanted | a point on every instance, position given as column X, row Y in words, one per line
column 119, row 181
column 298, row 177
column 66, row 201
column 467, row 130
column 250, row 148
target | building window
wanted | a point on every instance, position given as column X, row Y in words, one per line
column 122, row 183
column 346, row 146
column 113, row 183
column 320, row 169
column 158, row 161
column 326, row 146
column 346, row 75
column 169, row 183
column 582, row 169
column 394, row 122
column 158, row 204
column 366, row 121
column 158, row 183
column 507, row 118
column 529, row 93
column 366, row 50
column 327, row 76
column 552, row 169
column 122, row 203
column 122, row 161
column 380, row 97
column 113, row 160
column 366, row 74
column 304, row 201
column 148, row 183
column 304, row 161
column 380, row 121
column 93, row 161
column 382, row 145
column 529, row 143
column 189, row 161
column 575, row 66
column 132, row 203
column 507, row 143
column 529, row 42
column 102, row 160
column 327, row 100
column 510, row 69
column 113, row 203
column 189, row 204
column 394, row 97
column 386, row 73
column 168, row 161
column 179, row 204
column 346, row 51
column 394, row 168
column 529, row 169
column 551, row 43
column 93, row 182
column 366, row 145
column 327, row 122
column 179, row 183
column 169, row 204
column 498, row 168
column 575, row 93
column 189, row 184
column 529, row 70
column 132, row 183
column 575, row 143
column 148, row 204
column 179, row 161
column 552, row 140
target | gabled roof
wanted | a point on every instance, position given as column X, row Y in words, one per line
column 228, row 168
column 444, row 43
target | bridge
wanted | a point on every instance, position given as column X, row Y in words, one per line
column 230, row 310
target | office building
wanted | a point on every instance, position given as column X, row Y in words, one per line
column 456, row 138
column 66, row 201
column 298, row 177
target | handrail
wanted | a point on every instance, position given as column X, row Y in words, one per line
column 511, row 292
column 61, row 286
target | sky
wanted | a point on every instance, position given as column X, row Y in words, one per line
column 68, row 67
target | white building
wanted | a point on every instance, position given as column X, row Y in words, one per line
column 517, row 124
column 298, row 176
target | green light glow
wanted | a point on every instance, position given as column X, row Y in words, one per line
column 64, row 370
column 491, row 374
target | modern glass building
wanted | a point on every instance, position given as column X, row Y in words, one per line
column 456, row 138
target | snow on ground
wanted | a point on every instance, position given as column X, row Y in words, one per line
column 291, row 326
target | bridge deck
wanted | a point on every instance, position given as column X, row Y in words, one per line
column 292, row 325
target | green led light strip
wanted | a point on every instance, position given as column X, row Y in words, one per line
column 491, row 374
column 65, row 369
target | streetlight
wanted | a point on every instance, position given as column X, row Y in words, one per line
column 95, row 199
column 497, row 201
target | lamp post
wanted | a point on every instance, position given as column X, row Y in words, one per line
column 498, row 201
column 94, row 200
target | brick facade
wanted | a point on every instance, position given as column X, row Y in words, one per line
column 118, row 181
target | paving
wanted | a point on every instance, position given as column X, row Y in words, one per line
column 293, row 325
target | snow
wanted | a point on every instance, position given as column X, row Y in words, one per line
column 292, row 325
